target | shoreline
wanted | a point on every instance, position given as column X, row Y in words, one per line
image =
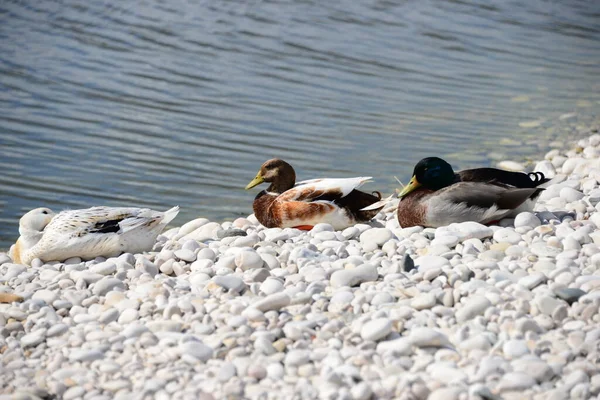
column 529, row 143
column 234, row 309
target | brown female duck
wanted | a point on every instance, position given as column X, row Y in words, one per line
column 287, row 204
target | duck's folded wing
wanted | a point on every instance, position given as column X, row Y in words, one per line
column 325, row 189
column 100, row 220
column 483, row 195
column 502, row 177
column 472, row 201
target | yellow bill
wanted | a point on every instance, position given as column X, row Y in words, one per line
column 412, row 185
column 258, row 179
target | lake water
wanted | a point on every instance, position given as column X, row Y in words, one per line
column 157, row 103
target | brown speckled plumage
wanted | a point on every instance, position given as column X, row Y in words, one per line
column 412, row 210
column 284, row 205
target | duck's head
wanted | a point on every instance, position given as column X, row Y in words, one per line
column 432, row 173
column 278, row 173
column 35, row 220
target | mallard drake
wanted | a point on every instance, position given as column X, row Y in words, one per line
column 437, row 196
column 285, row 204
column 88, row 233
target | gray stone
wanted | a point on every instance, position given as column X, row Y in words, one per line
column 107, row 284
column 354, row 276
column 570, row 295
column 474, row 307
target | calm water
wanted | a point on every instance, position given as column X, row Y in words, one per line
column 157, row 103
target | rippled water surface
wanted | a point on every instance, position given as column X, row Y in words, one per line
column 157, row 103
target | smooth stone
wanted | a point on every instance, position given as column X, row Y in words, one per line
column 354, row 276
column 271, row 286
column 225, row 262
column 73, row 392
column 546, row 168
column 465, row 230
column 205, row 254
column 447, row 240
column 427, row 337
column 507, row 235
column 570, row 295
column 474, row 307
column 425, row 263
column 185, row 255
column 325, row 236
column 542, row 250
column 104, row 268
column 107, row 284
column 376, row 329
column 109, row 315
column 274, row 301
column 259, row 275
column 297, row 357
column 515, row 348
column 515, row 381
column 84, row 355
column 377, row 236
column 382, row 298
column 134, row 331
column 248, row 259
column 47, row 296
column 570, row 195
column 128, row 315
column 536, row 368
column 361, row 391
column 33, row 339
column 527, row 219
column 446, row 393
column 423, row 301
column 401, row 346
column 164, row 326
column 532, row 281
column 190, row 227
column 230, row 282
column 57, row 330
column 350, row 232
column 144, row 265
column 546, row 304
column 230, row 233
column 196, row 349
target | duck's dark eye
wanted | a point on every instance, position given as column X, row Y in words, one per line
column 44, row 212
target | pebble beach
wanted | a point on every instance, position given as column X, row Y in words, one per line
column 233, row 310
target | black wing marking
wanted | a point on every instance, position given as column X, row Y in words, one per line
column 502, row 178
column 110, row 226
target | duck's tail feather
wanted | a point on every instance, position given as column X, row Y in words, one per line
column 170, row 214
column 379, row 204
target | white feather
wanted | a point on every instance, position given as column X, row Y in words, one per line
column 344, row 185
column 77, row 233
column 338, row 218
column 380, row 203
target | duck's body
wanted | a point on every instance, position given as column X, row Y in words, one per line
column 286, row 204
column 88, row 233
column 436, row 196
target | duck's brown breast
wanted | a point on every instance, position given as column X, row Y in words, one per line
column 412, row 209
column 263, row 210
